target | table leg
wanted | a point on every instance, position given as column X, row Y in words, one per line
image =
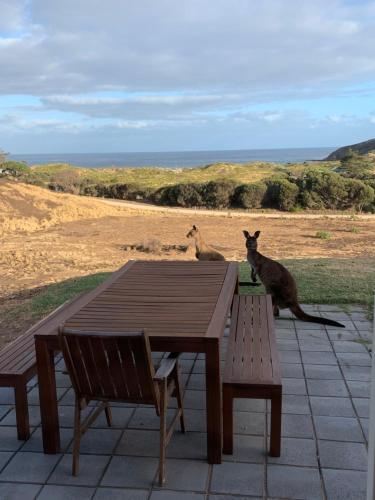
column 47, row 397
column 213, row 402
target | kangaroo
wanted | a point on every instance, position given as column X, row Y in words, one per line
column 202, row 250
column 279, row 283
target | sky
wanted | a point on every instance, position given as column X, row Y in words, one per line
column 82, row 76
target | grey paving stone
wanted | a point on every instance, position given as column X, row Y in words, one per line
column 237, row 479
column 362, row 373
column 199, row 366
column 315, row 346
column 249, row 423
column 4, row 409
column 293, row 482
column 8, row 439
column 249, row 404
column 296, row 405
column 338, row 429
column 62, row 380
column 66, row 493
column 327, row 372
column 186, row 365
column 120, row 494
column 120, row 418
column 195, row 420
column 307, row 325
column 347, row 324
column 175, row 495
column 146, row 418
column 299, row 426
column 29, row 467
column 35, row 443
column 296, row 386
column 33, row 395
column 336, row 455
column 34, row 417
column 333, row 407
column 231, row 497
column 365, row 426
column 359, row 389
column 139, row 442
column 291, row 370
column 300, row 452
column 318, row 358
column 99, row 441
column 197, row 382
column 286, row 333
column 287, row 344
column 362, row 406
column 345, row 484
column 336, row 388
column 6, row 396
column 13, row 491
column 186, row 475
column 354, row 358
column 343, row 335
column 312, row 335
column 348, row 346
column 131, row 472
column 363, row 325
column 4, row 458
column 290, row 356
column 195, row 400
column 284, row 323
column 91, row 468
column 250, row 449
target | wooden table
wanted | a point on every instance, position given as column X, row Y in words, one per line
column 183, row 307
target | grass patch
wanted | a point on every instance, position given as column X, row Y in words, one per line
column 320, row 281
column 323, row 235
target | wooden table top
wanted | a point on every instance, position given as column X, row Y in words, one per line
column 163, row 298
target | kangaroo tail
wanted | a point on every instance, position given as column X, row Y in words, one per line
column 297, row 311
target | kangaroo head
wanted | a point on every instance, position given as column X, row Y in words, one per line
column 251, row 241
column 192, row 232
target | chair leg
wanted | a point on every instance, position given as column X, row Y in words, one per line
column 275, row 440
column 179, row 400
column 227, row 420
column 77, row 438
column 108, row 414
column 163, row 430
column 22, row 411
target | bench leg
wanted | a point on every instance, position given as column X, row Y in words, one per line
column 22, row 411
column 227, row 420
column 275, row 441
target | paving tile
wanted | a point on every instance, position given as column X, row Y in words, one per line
column 146, row 418
column 34, row 417
column 197, row 382
column 13, row 491
column 289, row 370
column 327, row 372
column 195, row 400
column 231, row 497
column 33, row 395
column 300, row 452
column 362, row 406
column 296, row 404
column 250, row 449
column 249, row 404
column 315, row 346
column 296, row 386
column 290, row 356
column 139, row 442
column 354, row 358
column 4, row 409
column 66, row 493
column 186, row 475
column 175, row 495
column 362, row 373
column 299, row 426
column 99, row 441
column 338, row 429
column 337, row 455
column 318, row 358
column 195, row 420
column 237, row 479
column 359, row 389
column 249, row 423
column 307, row 325
column 365, row 427
column 344, row 335
column 6, row 396
column 293, row 482
column 312, row 335
column 29, row 467
column 91, row 468
column 336, row 388
column 120, row 494
column 4, row 458
column 345, row 484
column 8, row 439
column 363, row 325
column 287, row 344
column 286, row 333
column 348, row 346
column 333, row 407
column 131, row 472
column 120, row 418
column 35, row 443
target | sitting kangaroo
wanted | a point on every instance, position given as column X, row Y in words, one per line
column 279, row 283
column 202, row 250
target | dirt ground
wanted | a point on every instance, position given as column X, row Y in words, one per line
column 48, row 237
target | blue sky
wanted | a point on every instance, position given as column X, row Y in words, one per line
column 94, row 76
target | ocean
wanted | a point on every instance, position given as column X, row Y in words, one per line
column 176, row 159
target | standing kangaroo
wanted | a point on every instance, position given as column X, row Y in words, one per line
column 279, row 283
column 202, row 250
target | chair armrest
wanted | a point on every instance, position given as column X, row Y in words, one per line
column 166, row 367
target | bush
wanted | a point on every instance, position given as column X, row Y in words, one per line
column 218, row 194
column 281, row 194
column 67, row 181
column 320, row 190
column 359, row 194
column 183, row 195
column 249, row 195
column 14, row 168
column 323, row 235
column 356, row 164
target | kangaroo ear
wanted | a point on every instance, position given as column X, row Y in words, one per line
column 256, row 234
column 195, row 228
column 246, row 234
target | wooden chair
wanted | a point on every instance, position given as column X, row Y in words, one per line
column 118, row 367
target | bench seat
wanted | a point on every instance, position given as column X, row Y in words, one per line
column 252, row 368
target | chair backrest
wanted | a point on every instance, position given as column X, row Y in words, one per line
column 108, row 366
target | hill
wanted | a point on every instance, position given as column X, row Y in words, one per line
column 28, row 208
column 362, row 148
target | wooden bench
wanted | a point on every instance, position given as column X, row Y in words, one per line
column 252, row 364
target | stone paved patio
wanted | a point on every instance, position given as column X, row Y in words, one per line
column 326, row 375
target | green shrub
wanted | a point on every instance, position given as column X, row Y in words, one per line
column 14, row 168
column 183, row 195
column 323, row 235
column 218, row 194
column 281, row 194
column 249, row 195
column 319, row 190
column 359, row 194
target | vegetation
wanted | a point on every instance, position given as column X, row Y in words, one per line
column 323, row 235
